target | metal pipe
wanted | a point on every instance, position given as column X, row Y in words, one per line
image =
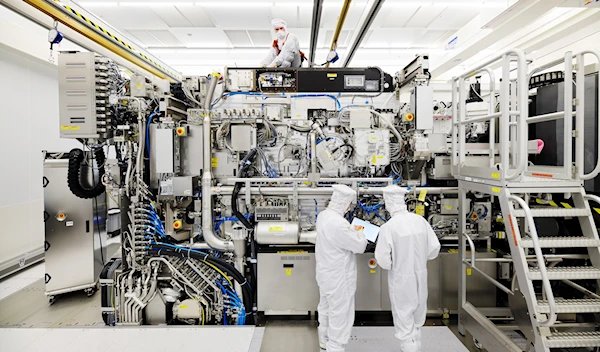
column 581, row 289
column 308, row 236
column 547, row 117
column 596, row 170
column 313, row 153
column 314, row 30
column 482, row 118
column 339, row 26
column 272, row 191
column 349, row 180
column 363, row 30
column 568, row 113
column 490, row 279
column 472, row 246
column 207, row 214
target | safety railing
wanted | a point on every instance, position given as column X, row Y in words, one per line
column 471, row 264
column 569, row 101
column 512, row 115
column 552, row 316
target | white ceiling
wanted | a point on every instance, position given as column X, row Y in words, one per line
column 195, row 37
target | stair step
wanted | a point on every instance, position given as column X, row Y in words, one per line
column 573, row 339
column 567, row 273
column 553, row 212
column 586, row 305
column 561, row 242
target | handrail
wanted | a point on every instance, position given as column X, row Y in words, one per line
column 522, row 104
column 472, row 246
column 596, row 170
column 541, row 264
column 548, row 117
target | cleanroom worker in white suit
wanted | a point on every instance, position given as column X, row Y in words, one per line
column 285, row 51
column 405, row 244
column 336, row 248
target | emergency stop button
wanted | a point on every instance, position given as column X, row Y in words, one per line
column 181, row 131
column 177, row 224
column 61, row 216
column 409, row 117
column 372, row 263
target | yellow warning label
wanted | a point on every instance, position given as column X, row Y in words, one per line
column 74, row 128
column 275, row 228
column 566, row 205
column 332, row 75
column 64, row 128
column 495, row 190
column 139, row 85
column 373, row 160
column 214, row 162
column 469, row 271
column 299, row 251
column 597, row 210
column 553, row 203
column 539, row 201
column 372, row 271
column 495, row 175
column 448, row 207
column 183, row 306
column 288, row 271
column 420, row 210
column 422, row 195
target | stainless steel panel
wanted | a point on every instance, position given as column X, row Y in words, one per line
column 479, row 291
column 185, row 185
column 163, row 147
column 73, row 256
column 284, row 289
column 191, row 151
column 77, row 95
column 243, row 137
column 368, row 286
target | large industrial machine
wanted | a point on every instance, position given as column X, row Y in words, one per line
column 220, row 180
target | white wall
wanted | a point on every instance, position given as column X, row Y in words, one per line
column 29, row 120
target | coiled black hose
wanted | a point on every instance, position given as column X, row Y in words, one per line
column 76, row 157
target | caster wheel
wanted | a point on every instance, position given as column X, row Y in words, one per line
column 477, row 344
column 90, row 291
column 51, row 300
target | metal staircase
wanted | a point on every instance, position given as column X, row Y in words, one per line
column 542, row 263
column 542, row 304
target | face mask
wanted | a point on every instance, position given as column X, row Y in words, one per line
column 281, row 34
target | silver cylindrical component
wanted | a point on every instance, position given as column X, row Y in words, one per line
column 277, row 232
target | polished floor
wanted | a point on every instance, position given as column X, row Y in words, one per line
column 29, row 323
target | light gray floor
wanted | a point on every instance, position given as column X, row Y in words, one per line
column 28, row 308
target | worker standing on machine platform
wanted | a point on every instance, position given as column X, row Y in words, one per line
column 285, row 51
column 405, row 244
column 336, row 248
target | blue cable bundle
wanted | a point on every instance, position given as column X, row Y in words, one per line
column 371, row 209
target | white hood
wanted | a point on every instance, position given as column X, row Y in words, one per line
column 341, row 198
column 393, row 196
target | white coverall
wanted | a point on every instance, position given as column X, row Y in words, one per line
column 337, row 244
column 285, row 51
column 405, row 244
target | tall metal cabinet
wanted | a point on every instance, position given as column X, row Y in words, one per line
column 75, row 233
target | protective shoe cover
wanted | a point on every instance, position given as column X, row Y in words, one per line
column 335, row 251
column 410, row 345
column 405, row 244
column 323, row 327
column 286, row 51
